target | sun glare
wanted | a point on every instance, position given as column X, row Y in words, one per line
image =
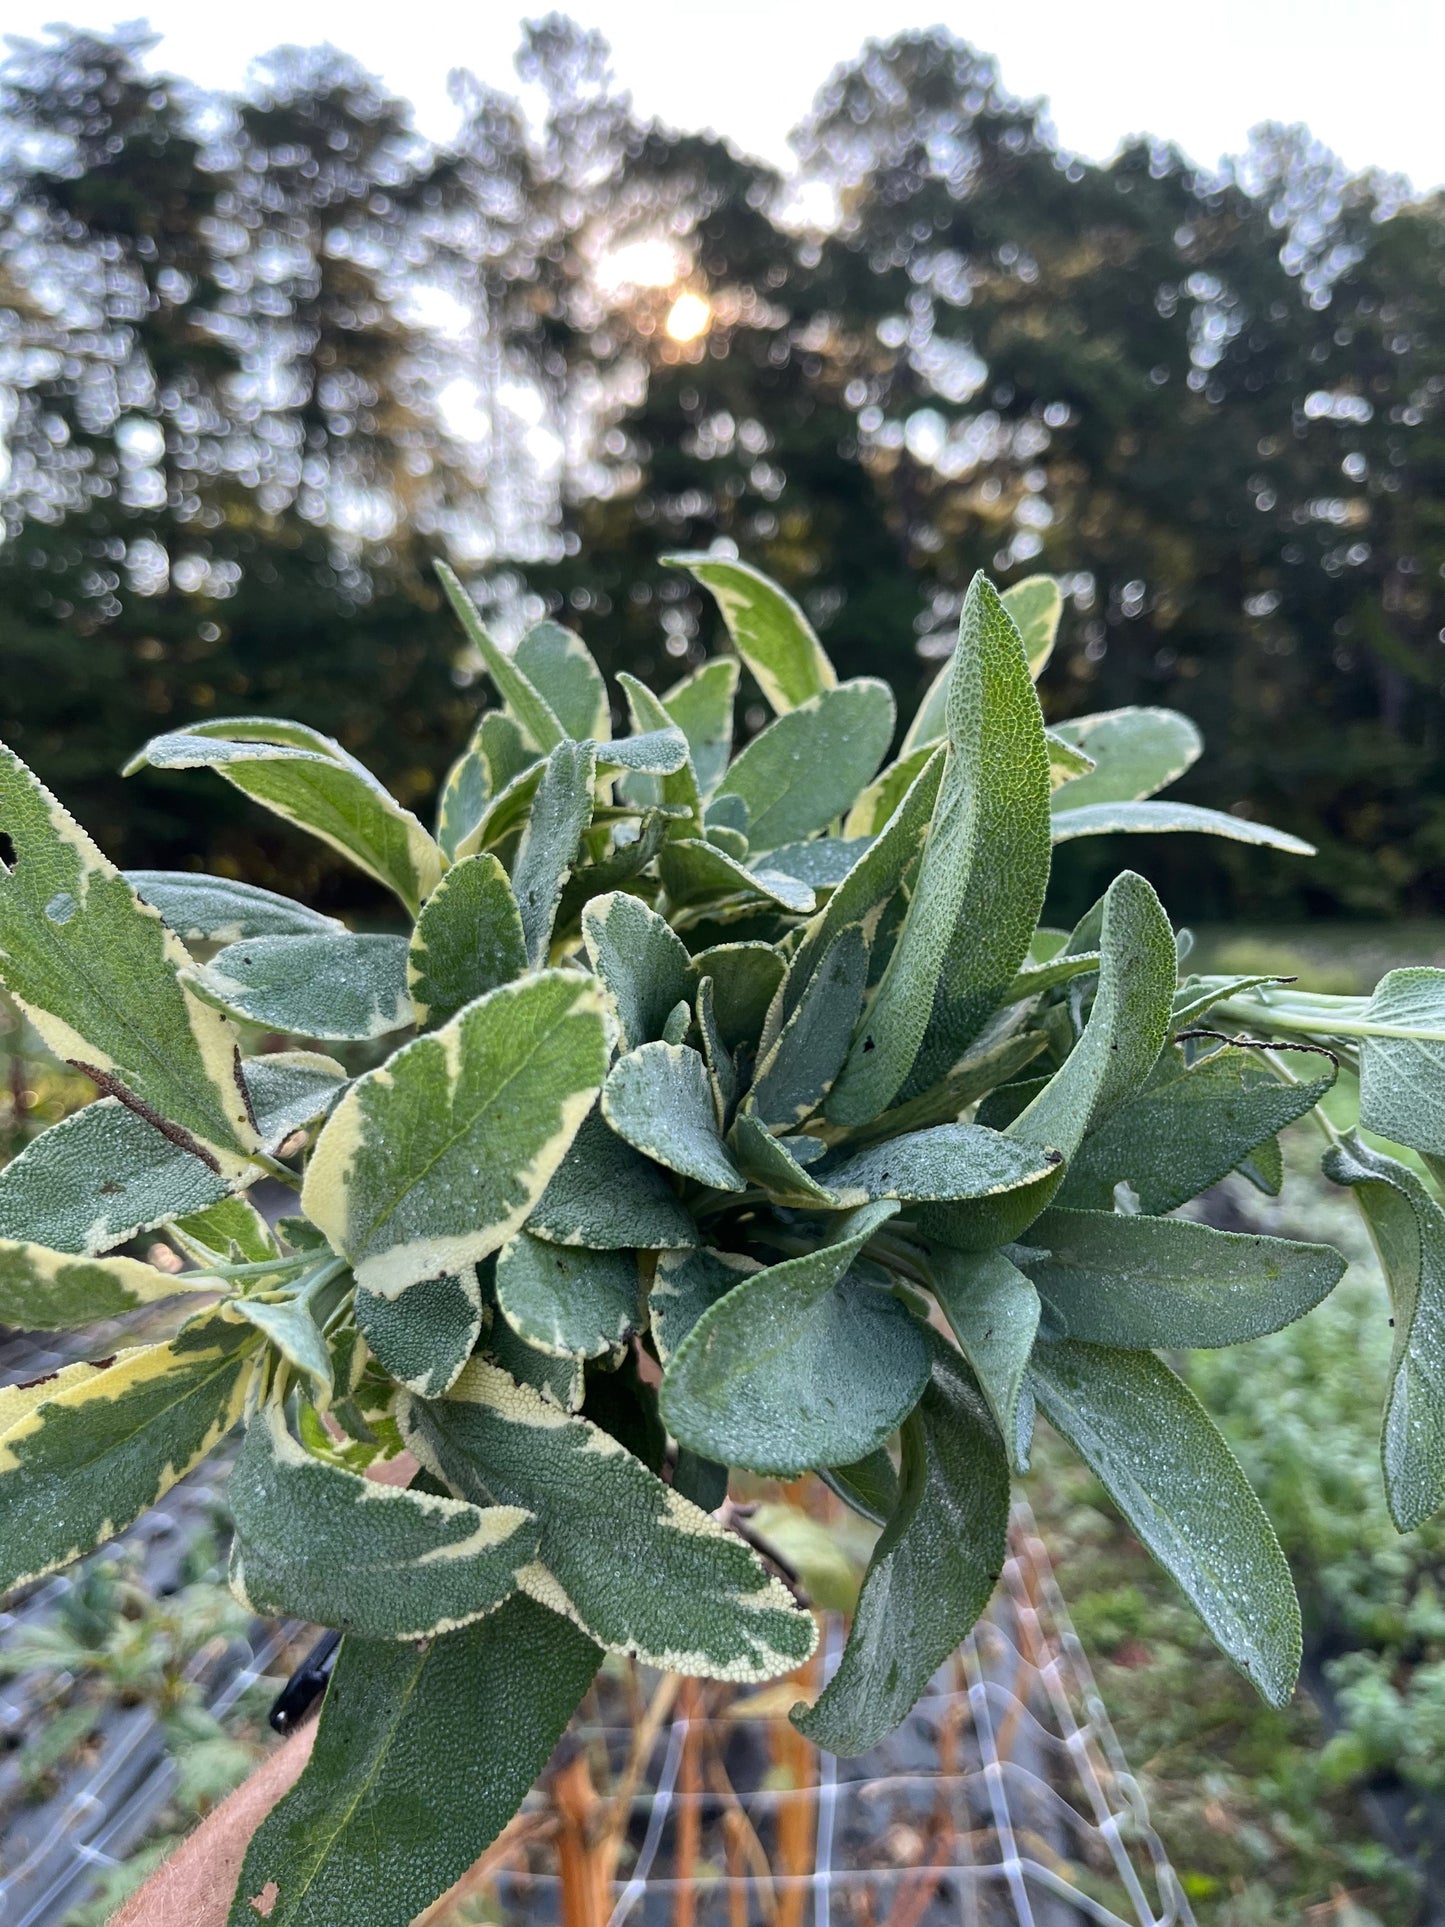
column 688, row 317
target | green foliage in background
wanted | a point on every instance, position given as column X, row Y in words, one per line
column 703, row 1118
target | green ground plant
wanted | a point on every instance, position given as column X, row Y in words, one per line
column 749, row 1120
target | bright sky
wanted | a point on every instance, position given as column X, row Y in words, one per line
column 1364, row 74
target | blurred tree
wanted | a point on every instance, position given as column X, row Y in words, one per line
column 219, row 472
column 265, row 355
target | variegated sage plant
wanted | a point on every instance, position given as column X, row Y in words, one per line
column 740, row 1115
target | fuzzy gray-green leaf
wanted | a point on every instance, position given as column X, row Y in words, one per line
column 1189, row 1126
column 604, row 1196
column 98, row 973
column 1409, row 1231
column 643, row 965
column 809, row 765
column 338, row 986
column 205, row 909
column 468, row 940
column 566, row 1300
column 931, row 1572
column 1138, row 1282
column 1154, row 1449
column 980, row 882
column 800, row 1365
column 1402, row 1078
column 561, row 811
column 1160, row 819
column 658, row 1098
column 425, row 1337
column 1135, row 752
column 1127, row 1025
column 103, row 1174
column 423, row 1755
column 993, row 1310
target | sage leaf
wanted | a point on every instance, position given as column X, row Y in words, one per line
column 309, row 780
column 49, row 1291
column 950, row 1161
column 582, row 1304
column 993, row 1310
column 1402, row 1078
column 745, row 979
column 768, row 630
column 1189, row 1126
column 605, row 1197
column 97, row 971
column 702, row 707
column 531, row 711
column 1158, row 819
column 1154, row 1449
column 678, row 789
column 800, row 1365
column 1408, row 1227
column 642, row 963
column 932, row 1571
column 561, row 811
column 334, row 987
column 468, row 940
column 657, row 1097
column 1034, row 606
column 1134, row 751
column 636, row 1565
column 462, row 802
column 771, row 1163
column 980, row 881
column 95, row 1452
column 696, row 872
column 809, row 765
column 796, row 1074
column 656, row 752
column 317, row 1542
column 1138, row 1282
column 434, row 1159
column 1127, row 1025
column 425, row 1337
column 103, row 1174
column 232, row 1232
column 289, row 1324
column 204, row 909
column 684, row 1285
column 423, row 1755
column 560, row 667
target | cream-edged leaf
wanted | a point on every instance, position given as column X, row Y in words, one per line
column 335, row 987
column 98, row 973
column 634, row 1563
column 43, row 1290
column 312, row 782
column 314, row 1541
column 768, row 629
column 434, row 1159
column 87, row 1460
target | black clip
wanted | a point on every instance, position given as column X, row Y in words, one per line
column 305, row 1686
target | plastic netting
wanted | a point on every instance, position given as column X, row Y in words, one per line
column 1004, row 1798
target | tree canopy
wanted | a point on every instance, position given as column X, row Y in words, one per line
column 262, row 357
